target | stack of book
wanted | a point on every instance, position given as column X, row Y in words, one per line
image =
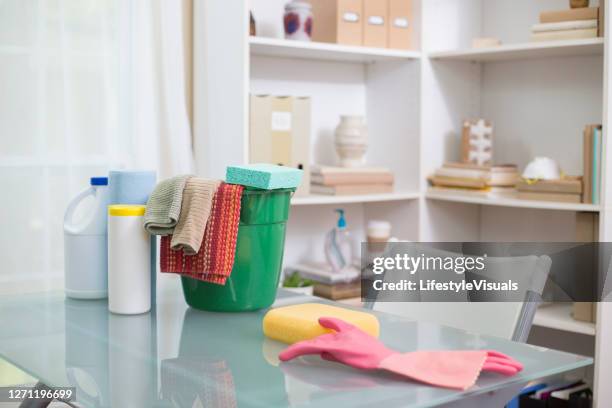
column 348, row 181
column 592, row 143
column 567, row 190
column 570, row 24
column 329, row 284
column 492, row 181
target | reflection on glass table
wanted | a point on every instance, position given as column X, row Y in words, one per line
column 181, row 357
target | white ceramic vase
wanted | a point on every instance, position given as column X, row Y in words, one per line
column 351, row 140
column 298, row 20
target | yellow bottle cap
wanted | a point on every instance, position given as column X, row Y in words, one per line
column 122, row 210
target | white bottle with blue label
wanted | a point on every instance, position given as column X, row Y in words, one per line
column 85, row 245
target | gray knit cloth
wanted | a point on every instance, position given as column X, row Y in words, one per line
column 164, row 206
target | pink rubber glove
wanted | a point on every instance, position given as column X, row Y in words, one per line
column 353, row 347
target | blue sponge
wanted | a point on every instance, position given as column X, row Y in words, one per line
column 264, row 176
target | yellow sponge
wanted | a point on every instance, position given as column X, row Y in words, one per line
column 294, row 323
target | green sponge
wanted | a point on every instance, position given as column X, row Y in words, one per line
column 264, row 176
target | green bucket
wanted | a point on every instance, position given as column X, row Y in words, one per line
column 259, row 257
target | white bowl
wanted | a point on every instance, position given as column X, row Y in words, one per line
column 542, row 168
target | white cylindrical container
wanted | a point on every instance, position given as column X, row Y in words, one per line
column 129, row 260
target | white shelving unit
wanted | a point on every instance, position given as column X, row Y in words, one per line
column 552, row 49
column 317, row 199
column 538, row 95
column 274, row 47
column 475, row 198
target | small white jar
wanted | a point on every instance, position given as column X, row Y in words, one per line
column 129, row 260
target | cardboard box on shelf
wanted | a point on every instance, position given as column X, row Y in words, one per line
column 375, row 23
column 280, row 133
column 337, row 21
column 584, row 311
column 400, row 25
column 587, row 230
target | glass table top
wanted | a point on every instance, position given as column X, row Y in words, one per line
column 180, row 357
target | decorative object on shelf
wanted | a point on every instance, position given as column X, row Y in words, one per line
column 592, row 147
column 542, row 168
column 579, row 3
column 485, row 42
column 568, row 24
column 298, row 20
column 378, row 231
column 477, row 142
column 357, row 180
column 351, row 138
column 338, row 21
column 252, row 24
column 280, row 133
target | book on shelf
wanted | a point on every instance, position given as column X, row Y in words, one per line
column 602, row 19
column 321, row 169
column 597, row 144
column 556, row 16
column 592, row 148
column 474, row 176
column 331, row 180
column 350, row 189
column 543, row 196
column 345, row 178
column 564, row 35
column 504, row 175
column 564, row 25
column 465, row 165
column 462, row 182
column 463, row 173
column 566, row 185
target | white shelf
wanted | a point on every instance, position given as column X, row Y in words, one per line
column 476, row 198
column 274, row 47
column 559, row 316
column 589, row 46
column 317, row 199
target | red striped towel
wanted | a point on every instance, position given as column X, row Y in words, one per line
column 215, row 259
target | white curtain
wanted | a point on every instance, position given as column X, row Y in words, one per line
column 87, row 85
